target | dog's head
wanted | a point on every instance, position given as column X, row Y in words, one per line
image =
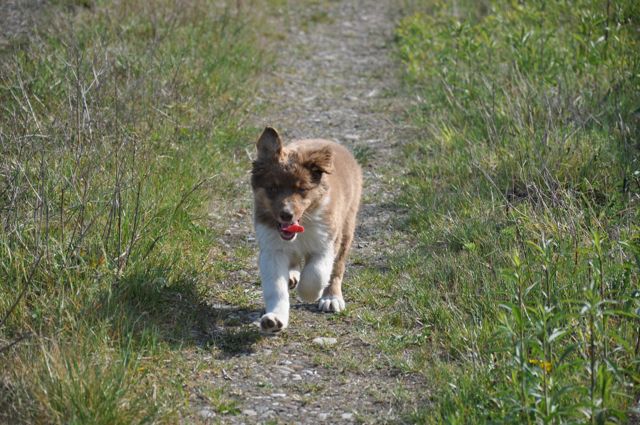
column 288, row 183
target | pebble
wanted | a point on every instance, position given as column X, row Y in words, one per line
column 268, row 414
column 206, row 414
column 296, row 377
column 323, row 416
column 249, row 412
column 372, row 93
column 218, row 306
column 281, row 395
column 324, row 342
column 347, row 416
column 285, row 370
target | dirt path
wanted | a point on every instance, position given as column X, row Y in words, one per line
column 334, row 78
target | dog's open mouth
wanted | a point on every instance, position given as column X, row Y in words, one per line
column 289, row 231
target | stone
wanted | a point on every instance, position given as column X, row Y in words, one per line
column 285, row 370
column 269, row 413
column 324, row 341
column 206, row 414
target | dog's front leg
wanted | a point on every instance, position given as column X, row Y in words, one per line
column 274, row 273
column 315, row 275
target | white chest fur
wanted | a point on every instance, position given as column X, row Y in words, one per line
column 315, row 239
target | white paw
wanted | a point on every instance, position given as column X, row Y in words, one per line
column 331, row 304
column 270, row 323
column 294, row 278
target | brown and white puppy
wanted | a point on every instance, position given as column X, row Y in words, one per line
column 316, row 184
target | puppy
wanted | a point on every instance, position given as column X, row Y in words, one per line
column 315, row 184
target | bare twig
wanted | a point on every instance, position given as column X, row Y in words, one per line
column 134, row 234
column 15, row 341
column 22, row 292
column 190, row 192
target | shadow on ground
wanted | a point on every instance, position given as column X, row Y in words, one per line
column 145, row 305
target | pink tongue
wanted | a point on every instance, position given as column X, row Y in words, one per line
column 293, row 228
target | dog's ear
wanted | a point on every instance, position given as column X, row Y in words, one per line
column 320, row 161
column 269, row 144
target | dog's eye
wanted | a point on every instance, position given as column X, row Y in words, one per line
column 302, row 191
column 316, row 173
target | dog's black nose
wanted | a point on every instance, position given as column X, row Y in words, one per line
column 285, row 216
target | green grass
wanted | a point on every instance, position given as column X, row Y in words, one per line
column 520, row 302
column 118, row 124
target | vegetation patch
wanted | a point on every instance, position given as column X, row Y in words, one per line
column 119, row 121
column 523, row 191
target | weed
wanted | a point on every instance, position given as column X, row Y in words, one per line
column 221, row 403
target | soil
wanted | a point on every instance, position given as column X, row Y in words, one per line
column 334, row 77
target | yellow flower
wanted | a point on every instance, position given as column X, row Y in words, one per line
column 544, row 365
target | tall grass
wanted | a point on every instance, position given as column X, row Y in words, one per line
column 118, row 121
column 524, row 191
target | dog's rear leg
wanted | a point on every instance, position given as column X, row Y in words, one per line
column 294, row 273
column 331, row 300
